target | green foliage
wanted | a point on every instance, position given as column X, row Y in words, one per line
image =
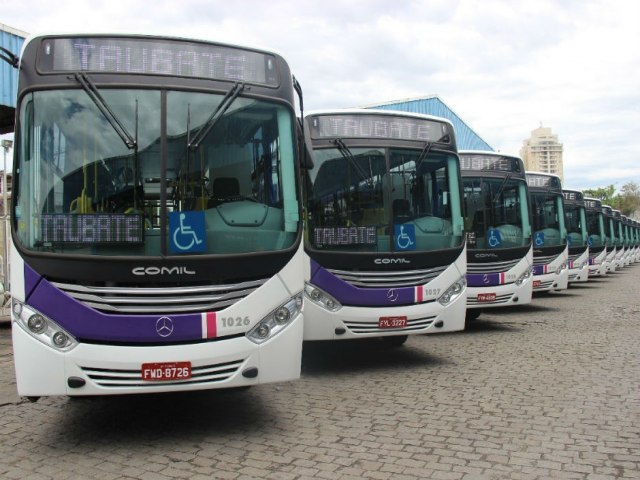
column 627, row 201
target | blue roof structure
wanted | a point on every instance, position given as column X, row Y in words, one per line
column 466, row 138
column 12, row 40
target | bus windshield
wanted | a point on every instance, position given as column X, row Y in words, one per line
column 381, row 200
column 595, row 228
column 575, row 221
column 548, row 219
column 496, row 212
column 83, row 189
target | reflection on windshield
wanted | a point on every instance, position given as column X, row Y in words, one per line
column 375, row 200
column 82, row 191
column 548, row 219
column 574, row 221
column 496, row 213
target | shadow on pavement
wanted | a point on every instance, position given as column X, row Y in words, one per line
column 364, row 355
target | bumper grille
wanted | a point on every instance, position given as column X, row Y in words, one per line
column 492, row 267
column 372, row 326
column 110, row 378
column 164, row 300
column 390, row 279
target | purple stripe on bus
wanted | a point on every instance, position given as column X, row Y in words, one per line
column 483, row 279
column 89, row 324
column 347, row 294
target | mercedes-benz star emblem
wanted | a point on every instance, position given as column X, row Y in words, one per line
column 392, row 295
column 164, row 326
column 485, row 279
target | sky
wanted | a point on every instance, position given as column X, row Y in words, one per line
column 505, row 67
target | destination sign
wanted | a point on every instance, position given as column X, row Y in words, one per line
column 376, row 126
column 592, row 203
column 490, row 163
column 543, row 181
column 573, row 196
column 344, row 236
column 95, row 229
column 151, row 56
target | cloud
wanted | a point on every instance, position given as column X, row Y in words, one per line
column 503, row 66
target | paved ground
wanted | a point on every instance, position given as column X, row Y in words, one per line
column 544, row 391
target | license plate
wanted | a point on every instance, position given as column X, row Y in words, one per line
column 159, row 372
column 392, row 322
column 537, row 283
column 486, row 297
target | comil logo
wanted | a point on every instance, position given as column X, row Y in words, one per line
column 390, row 261
column 151, row 271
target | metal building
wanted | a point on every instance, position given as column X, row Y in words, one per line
column 466, row 138
column 11, row 39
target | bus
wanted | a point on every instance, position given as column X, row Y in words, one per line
column 577, row 236
column 498, row 231
column 596, row 237
column 621, row 244
column 550, row 248
column 384, row 244
column 629, row 248
column 612, row 238
column 635, row 229
column 156, row 217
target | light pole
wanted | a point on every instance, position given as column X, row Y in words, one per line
column 6, row 145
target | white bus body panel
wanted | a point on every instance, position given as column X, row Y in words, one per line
column 579, row 268
column 508, row 294
column 598, row 267
column 42, row 370
column 362, row 321
column 552, row 281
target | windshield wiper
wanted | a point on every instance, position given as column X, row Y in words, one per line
column 103, row 106
column 502, row 185
column 346, row 153
column 220, row 110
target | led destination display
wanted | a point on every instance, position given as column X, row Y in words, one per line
column 488, row 162
column 95, row 229
column 384, row 127
column 157, row 57
column 343, row 236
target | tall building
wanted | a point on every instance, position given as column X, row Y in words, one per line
column 542, row 152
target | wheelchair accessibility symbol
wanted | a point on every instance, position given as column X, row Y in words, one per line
column 404, row 237
column 493, row 238
column 539, row 239
column 187, row 232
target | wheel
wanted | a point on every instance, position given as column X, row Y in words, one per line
column 471, row 315
column 395, row 341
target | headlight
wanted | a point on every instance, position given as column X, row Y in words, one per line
column 41, row 327
column 561, row 268
column 453, row 291
column 322, row 298
column 522, row 278
column 276, row 321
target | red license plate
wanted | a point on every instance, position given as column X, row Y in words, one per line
column 486, row 297
column 537, row 283
column 159, row 372
column 392, row 322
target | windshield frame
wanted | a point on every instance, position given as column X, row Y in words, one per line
column 25, row 138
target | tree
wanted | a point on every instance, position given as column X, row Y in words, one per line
column 603, row 193
column 629, row 199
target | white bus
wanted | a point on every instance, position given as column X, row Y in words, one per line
column 612, row 239
column 550, row 248
column 498, row 231
column 621, row 251
column 156, row 217
column 577, row 237
column 384, row 243
column 597, row 237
